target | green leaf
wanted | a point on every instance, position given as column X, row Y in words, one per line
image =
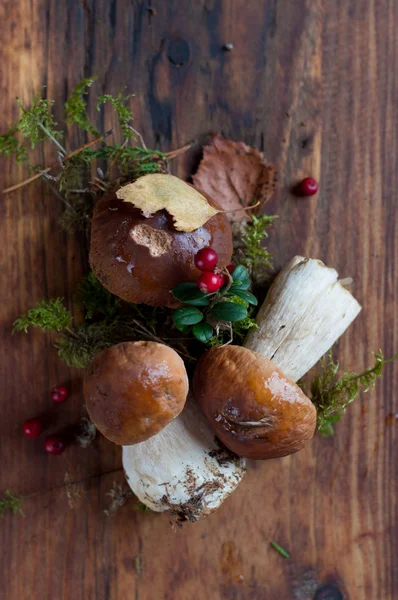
column 250, row 298
column 189, row 293
column 240, row 273
column 202, row 331
column 240, row 285
column 187, row 316
column 228, row 311
column 281, row 550
column 182, row 328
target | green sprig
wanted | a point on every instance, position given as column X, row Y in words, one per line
column 12, row 503
column 37, row 122
column 124, row 113
column 9, row 145
column 255, row 255
column 109, row 322
column 332, row 394
column 96, row 299
column 279, row 549
column 131, row 162
column 76, row 106
column 249, row 248
column 48, row 315
column 78, row 347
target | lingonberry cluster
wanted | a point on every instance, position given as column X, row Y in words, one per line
column 213, row 298
column 33, row 428
column 210, row 281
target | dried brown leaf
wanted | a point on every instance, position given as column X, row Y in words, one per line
column 236, row 176
column 152, row 193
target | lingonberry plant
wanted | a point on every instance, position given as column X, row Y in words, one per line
column 211, row 303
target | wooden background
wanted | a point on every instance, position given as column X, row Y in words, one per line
column 313, row 84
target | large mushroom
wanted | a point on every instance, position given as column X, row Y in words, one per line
column 306, row 310
column 134, row 389
column 255, row 410
column 141, row 258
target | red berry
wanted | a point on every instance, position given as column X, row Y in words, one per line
column 32, row 428
column 308, row 187
column 210, row 282
column 231, row 268
column 206, row 259
column 54, row 445
column 59, row 393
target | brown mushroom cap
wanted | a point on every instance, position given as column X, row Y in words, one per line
column 141, row 259
column 134, row 389
column 255, row 410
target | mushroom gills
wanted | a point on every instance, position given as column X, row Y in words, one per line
column 184, row 468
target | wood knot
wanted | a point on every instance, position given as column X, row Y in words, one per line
column 328, row 592
column 306, row 142
column 178, row 52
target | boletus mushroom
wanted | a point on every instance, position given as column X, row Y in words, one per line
column 254, row 409
column 134, row 389
column 305, row 311
column 140, row 259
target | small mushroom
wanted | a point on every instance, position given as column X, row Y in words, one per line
column 255, row 410
column 141, row 259
column 134, row 389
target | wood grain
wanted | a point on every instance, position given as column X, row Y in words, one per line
column 311, row 83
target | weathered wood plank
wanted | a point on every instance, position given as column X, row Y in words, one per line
column 313, row 85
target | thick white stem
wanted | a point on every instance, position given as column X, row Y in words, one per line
column 306, row 310
column 183, row 468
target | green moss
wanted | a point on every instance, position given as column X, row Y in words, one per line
column 332, row 393
column 76, row 106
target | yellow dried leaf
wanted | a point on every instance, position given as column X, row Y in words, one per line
column 152, row 193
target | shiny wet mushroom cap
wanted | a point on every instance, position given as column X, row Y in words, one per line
column 255, row 410
column 134, row 389
column 141, row 259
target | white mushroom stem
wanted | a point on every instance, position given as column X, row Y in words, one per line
column 183, row 469
column 306, row 310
